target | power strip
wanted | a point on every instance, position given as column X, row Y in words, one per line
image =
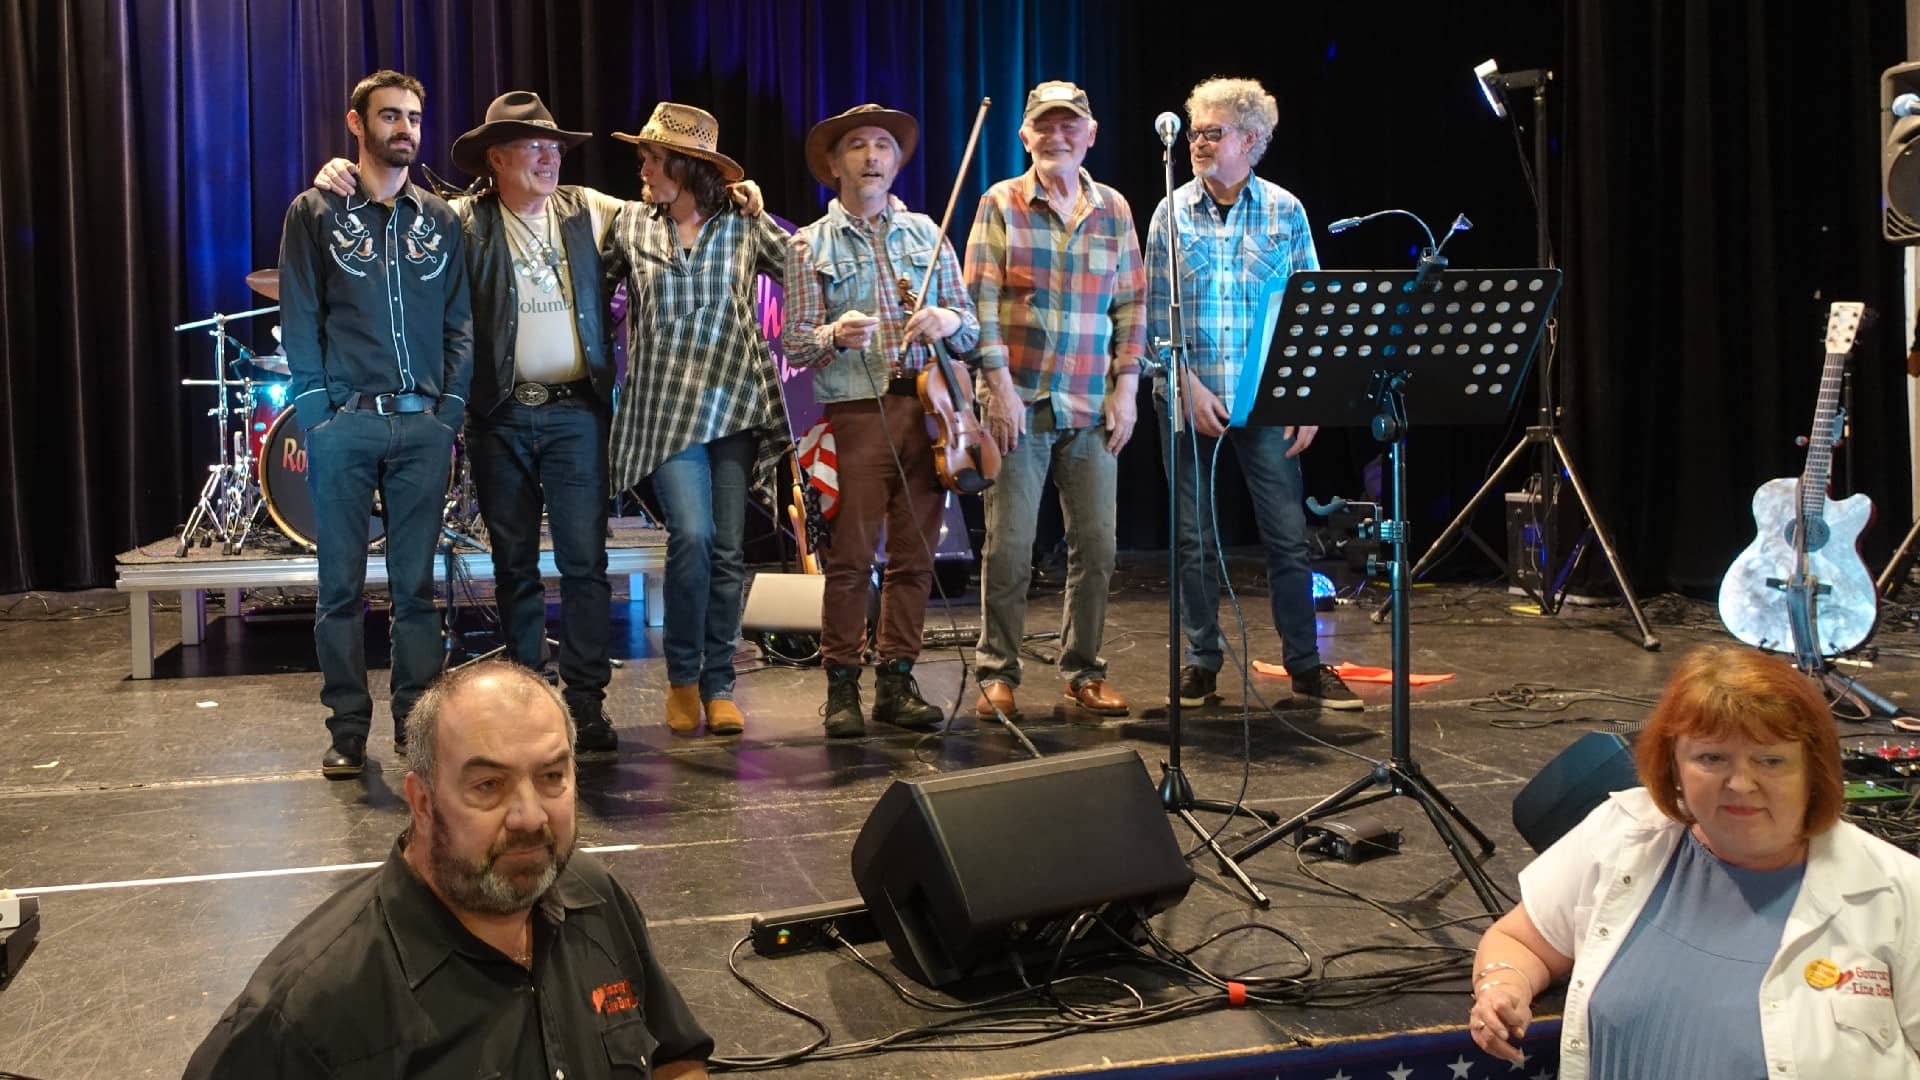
column 792, row 930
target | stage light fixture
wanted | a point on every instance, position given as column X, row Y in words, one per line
column 1487, row 73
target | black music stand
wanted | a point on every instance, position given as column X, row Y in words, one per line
column 1348, row 347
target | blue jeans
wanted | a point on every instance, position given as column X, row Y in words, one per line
column 703, row 491
column 1278, row 493
column 405, row 458
column 525, row 456
column 1084, row 473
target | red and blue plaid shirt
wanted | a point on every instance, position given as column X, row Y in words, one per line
column 1061, row 297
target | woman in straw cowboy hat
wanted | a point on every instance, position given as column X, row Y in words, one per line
column 700, row 411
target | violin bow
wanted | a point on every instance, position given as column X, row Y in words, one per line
column 946, row 219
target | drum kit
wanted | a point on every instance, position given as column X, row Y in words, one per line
column 263, row 468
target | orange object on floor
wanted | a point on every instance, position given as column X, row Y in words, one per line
column 1357, row 673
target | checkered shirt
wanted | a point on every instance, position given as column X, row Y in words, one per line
column 1060, row 299
column 698, row 366
column 1227, row 269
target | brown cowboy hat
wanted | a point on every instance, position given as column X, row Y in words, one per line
column 826, row 135
column 693, row 132
column 516, row 114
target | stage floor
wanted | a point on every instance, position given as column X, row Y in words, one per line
column 210, row 769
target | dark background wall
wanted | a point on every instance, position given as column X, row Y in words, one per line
column 1713, row 184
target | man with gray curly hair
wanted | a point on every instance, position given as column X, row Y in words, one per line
column 1239, row 235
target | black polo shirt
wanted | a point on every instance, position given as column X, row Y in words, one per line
column 382, row 980
column 374, row 300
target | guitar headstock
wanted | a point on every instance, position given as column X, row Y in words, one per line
column 1843, row 325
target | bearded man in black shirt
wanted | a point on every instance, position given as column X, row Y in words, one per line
column 484, row 946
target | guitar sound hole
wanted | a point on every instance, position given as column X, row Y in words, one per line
column 1817, row 533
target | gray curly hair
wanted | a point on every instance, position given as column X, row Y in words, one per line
column 1254, row 111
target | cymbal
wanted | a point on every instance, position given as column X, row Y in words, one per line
column 265, row 282
column 274, row 362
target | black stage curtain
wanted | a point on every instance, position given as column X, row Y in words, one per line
column 1724, row 189
column 1714, row 173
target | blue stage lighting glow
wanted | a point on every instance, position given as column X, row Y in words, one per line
column 1322, row 586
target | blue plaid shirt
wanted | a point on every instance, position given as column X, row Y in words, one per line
column 1226, row 269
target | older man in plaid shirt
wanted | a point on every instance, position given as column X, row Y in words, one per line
column 1054, row 267
column 1238, row 233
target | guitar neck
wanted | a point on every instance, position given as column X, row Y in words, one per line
column 1819, row 467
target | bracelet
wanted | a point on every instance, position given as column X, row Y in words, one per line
column 1497, row 965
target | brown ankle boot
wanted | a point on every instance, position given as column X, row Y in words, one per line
column 683, row 709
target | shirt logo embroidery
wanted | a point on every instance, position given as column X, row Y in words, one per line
column 352, row 243
column 422, row 246
column 614, row 997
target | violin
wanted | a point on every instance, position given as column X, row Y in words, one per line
column 964, row 457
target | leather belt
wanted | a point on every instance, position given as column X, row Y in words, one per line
column 533, row 393
column 389, row 404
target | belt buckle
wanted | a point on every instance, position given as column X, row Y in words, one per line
column 531, row 393
column 381, row 401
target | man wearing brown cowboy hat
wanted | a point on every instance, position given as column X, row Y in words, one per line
column 542, row 398
column 846, row 319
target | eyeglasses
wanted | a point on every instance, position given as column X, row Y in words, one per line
column 537, row 147
column 1210, row 134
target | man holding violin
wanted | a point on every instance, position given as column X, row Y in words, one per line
column 852, row 317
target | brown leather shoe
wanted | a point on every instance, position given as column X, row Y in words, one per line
column 996, row 695
column 1094, row 697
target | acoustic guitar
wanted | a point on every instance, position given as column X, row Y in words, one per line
column 1801, row 586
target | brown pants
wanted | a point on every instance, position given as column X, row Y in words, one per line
column 871, row 494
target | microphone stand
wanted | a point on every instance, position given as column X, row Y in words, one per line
column 1176, row 793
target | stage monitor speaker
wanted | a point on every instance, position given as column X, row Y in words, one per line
column 960, row 871
column 1596, row 765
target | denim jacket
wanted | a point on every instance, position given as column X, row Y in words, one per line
column 833, row 269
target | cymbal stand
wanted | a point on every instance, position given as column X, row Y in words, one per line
column 229, row 499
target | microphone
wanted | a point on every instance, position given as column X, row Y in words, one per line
column 1344, row 224
column 1167, row 125
column 1905, row 105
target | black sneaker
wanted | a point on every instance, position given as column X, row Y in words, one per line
column 1197, row 686
column 400, row 738
column 897, row 700
column 1323, row 684
column 345, row 759
column 842, row 710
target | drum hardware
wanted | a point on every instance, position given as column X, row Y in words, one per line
column 229, row 501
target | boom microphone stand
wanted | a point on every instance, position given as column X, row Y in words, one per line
column 1176, row 793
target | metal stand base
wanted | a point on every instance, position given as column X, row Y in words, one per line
column 1552, row 597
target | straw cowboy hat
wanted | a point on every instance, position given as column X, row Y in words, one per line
column 826, row 135
column 516, row 114
column 690, row 131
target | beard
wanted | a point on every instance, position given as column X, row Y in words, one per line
column 481, row 887
column 396, row 156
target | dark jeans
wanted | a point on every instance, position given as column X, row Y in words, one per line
column 525, row 456
column 1278, row 493
column 404, row 458
column 703, row 490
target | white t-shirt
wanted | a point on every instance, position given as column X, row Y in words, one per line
column 1858, row 910
column 546, row 346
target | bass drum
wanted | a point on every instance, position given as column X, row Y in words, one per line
column 283, row 482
